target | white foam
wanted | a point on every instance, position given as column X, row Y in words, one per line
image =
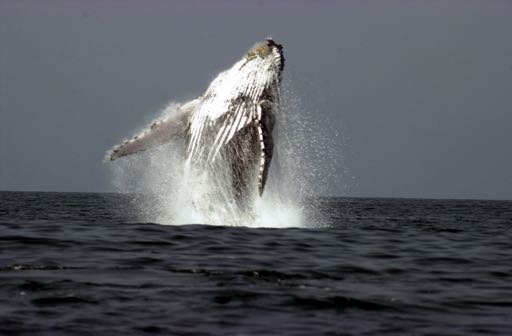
column 304, row 163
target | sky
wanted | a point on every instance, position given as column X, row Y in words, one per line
column 420, row 91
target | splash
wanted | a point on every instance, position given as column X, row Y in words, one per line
column 304, row 165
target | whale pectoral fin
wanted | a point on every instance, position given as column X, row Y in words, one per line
column 158, row 133
column 265, row 126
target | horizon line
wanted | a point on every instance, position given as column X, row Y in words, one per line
column 316, row 196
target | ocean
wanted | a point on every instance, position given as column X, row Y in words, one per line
column 82, row 264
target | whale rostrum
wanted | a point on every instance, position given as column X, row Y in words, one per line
column 227, row 132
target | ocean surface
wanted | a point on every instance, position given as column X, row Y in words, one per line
column 80, row 264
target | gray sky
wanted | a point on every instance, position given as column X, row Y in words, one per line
column 420, row 90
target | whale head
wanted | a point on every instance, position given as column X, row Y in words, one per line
column 267, row 54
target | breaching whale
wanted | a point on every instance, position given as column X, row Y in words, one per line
column 227, row 132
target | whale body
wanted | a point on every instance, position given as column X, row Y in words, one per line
column 227, row 132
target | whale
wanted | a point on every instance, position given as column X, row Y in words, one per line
column 226, row 133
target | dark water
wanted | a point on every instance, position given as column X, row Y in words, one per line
column 75, row 263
